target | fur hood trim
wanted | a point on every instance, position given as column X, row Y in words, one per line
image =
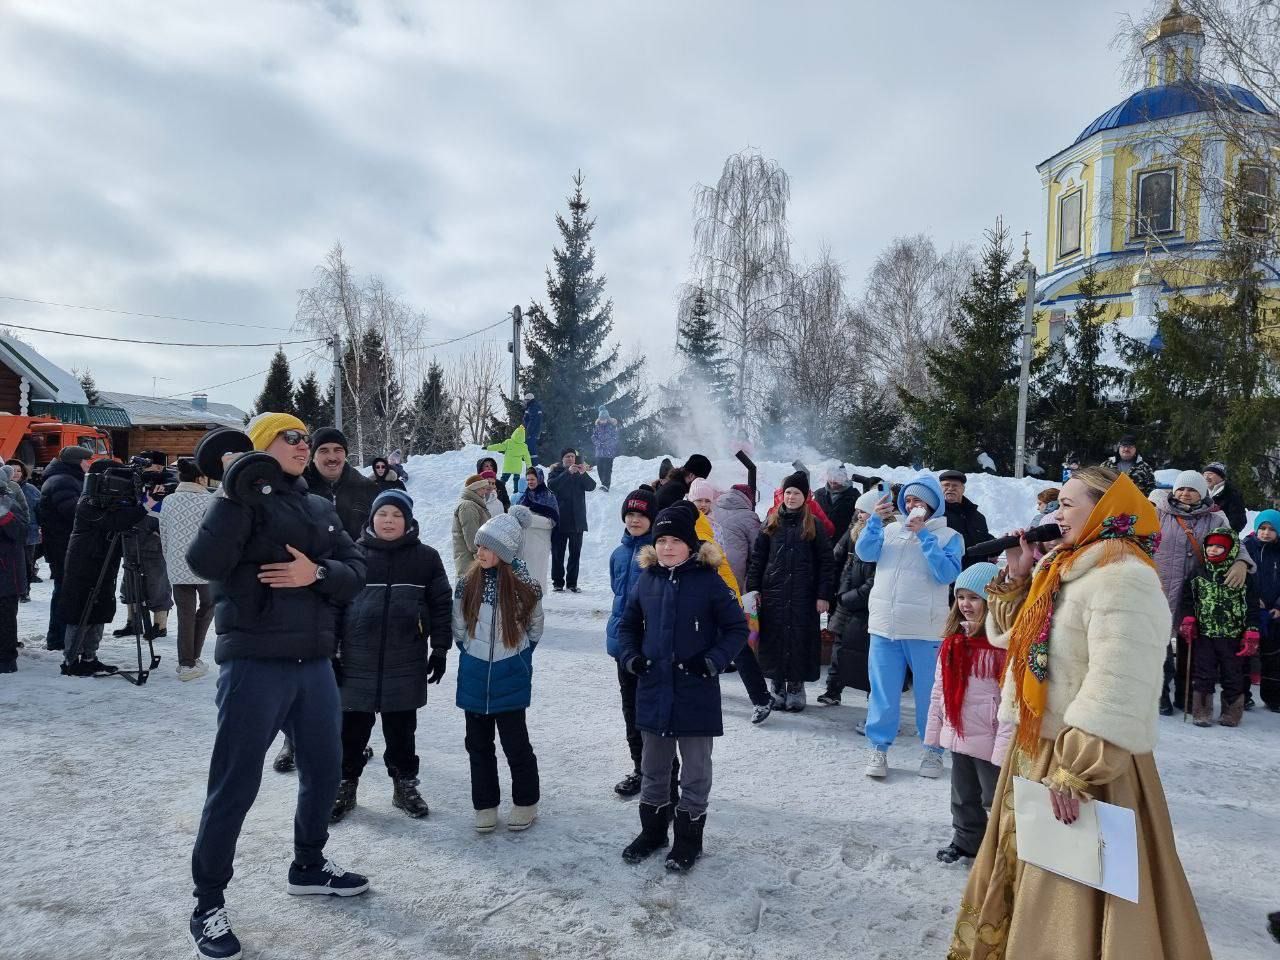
column 709, row 555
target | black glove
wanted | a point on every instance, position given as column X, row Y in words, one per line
column 638, row 666
column 436, row 664
column 337, row 670
column 698, row 667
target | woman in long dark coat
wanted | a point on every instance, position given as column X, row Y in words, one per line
column 791, row 571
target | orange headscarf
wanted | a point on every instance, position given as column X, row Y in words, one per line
column 1126, row 524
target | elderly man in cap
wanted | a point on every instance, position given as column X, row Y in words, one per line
column 963, row 515
column 837, row 498
column 1127, row 460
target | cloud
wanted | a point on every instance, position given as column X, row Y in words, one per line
column 199, row 159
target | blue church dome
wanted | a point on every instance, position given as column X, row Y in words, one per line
column 1174, row 100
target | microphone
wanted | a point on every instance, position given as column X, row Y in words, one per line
column 1040, row 534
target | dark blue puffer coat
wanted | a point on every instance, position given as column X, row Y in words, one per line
column 624, row 571
column 673, row 615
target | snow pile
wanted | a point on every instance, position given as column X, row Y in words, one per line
column 435, row 483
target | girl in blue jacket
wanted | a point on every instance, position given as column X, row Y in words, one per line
column 681, row 628
column 497, row 623
column 638, row 510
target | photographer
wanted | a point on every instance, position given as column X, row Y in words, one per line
column 569, row 481
column 157, row 483
column 59, row 494
column 109, row 505
column 281, row 569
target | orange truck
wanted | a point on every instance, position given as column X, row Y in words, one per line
column 37, row 440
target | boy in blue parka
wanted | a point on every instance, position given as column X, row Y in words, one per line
column 638, row 512
column 918, row 556
column 1264, row 546
column 681, row 628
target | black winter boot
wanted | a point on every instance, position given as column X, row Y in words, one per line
column 345, row 801
column 1166, row 705
column 688, row 844
column 653, row 833
column 1273, row 925
column 629, row 785
column 405, row 795
column 284, row 762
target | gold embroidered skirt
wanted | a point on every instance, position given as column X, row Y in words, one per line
column 1014, row 911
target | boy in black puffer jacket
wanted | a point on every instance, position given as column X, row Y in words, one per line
column 281, row 570
column 681, row 627
column 385, row 660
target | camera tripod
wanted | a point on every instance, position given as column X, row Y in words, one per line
column 135, row 587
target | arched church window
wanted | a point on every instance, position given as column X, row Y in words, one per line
column 1255, row 199
column 1155, row 203
column 1069, row 223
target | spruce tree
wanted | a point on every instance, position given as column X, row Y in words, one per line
column 277, row 390
column 1079, row 413
column 90, row 388
column 873, row 427
column 572, row 369
column 706, row 372
column 435, row 428
column 973, row 404
column 308, row 404
column 1211, row 390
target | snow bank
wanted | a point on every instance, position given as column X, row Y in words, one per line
column 435, row 483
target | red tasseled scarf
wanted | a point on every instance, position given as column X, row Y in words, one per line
column 963, row 657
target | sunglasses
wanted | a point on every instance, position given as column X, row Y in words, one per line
column 294, row 437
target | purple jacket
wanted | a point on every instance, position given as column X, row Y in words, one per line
column 737, row 527
column 1176, row 558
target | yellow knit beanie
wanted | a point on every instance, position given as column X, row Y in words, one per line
column 265, row 427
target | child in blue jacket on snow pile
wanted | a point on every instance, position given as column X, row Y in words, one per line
column 917, row 556
column 681, row 628
column 639, row 509
column 497, row 623
column 1264, row 546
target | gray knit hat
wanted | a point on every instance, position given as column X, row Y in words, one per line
column 503, row 534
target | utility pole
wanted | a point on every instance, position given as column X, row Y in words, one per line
column 517, row 321
column 1024, row 378
column 337, row 380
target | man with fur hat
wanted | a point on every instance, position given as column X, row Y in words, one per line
column 330, row 475
column 681, row 628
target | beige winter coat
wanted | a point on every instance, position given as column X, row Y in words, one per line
column 468, row 516
column 1106, row 652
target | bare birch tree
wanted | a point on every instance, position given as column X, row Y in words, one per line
column 741, row 259
column 474, row 380
column 387, row 397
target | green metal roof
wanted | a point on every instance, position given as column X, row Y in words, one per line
column 92, row 416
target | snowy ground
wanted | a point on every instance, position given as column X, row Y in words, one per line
column 805, row 858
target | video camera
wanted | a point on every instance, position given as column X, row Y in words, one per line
column 114, row 485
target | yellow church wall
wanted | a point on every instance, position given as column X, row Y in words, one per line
column 1086, row 182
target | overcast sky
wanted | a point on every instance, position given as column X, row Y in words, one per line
column 198, row 159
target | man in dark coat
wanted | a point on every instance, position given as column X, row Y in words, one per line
column 1228, row 499
column 569, row 481
column 92, row 557
column 837, row 499
column 532, row 421
column 329, row 475
column 1128, row 460
column 281, row 570
column 62, row 485
column 963, row 515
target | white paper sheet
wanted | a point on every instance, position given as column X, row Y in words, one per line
column 1100, row 849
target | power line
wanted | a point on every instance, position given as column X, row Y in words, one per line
column 158, row 343
column 135, row 313
column 445, row 343
column 226, row 383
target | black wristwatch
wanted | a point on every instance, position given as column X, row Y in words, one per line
column 321, row 572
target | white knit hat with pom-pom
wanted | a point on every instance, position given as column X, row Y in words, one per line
column 504, row 533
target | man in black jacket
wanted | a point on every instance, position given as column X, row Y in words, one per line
column 569, row 481
column 1229, row 500
column 63, row 483
column 963, row 515
column 329, row 475
column 837, row 499
column 280, row 570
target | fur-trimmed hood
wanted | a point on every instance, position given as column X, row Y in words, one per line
column 709, row 555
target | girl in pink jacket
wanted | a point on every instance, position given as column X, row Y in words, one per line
column 962, row 712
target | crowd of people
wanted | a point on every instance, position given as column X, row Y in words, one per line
column 333, row 615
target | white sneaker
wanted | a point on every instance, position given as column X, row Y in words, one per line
column 522, row 817
column 193, row 672
column 878, row 765
column 931, row 765
column 487, row 820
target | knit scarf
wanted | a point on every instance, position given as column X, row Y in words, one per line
column 1123, row 523
column 962, row 657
